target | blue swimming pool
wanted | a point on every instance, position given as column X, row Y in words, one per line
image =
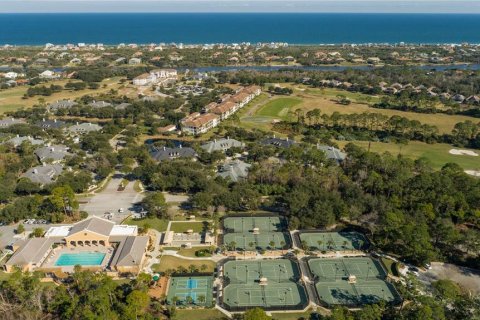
column 80, row 258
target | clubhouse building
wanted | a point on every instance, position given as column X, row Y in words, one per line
column 95, row 244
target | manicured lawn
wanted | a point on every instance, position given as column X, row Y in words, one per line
column 437, row 153
column 181, row 227
column 199, row 314
column 278, row 107
column 154, row 223
column 190, row 252
column 170, row 262
column 291, row 316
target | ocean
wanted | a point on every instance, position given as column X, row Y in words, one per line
column 199, row 28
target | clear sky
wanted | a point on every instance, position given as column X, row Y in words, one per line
column 359, row 6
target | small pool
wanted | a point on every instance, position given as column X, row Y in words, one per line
column 80, row 258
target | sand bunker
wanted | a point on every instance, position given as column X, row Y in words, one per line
column 461, row 152
column 473, row 173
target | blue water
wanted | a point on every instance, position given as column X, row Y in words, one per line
column 80, row 258
column 295, row 28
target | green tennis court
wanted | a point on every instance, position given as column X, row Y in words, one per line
column 247, row 224
column 245, row 272
column 190, row 290
column 279, row 287
column 251, row 241
column 341, row 292
column 334, row 241
column 334, row 269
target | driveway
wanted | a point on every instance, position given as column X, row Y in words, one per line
column 467, row 278
column 111, row 200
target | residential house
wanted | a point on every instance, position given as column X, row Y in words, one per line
column 458, row 98
column 48, row 74
column 161, row 154
column 11, row 75
column 222, row 145
column 134, row 61
column 99, row 104
column 7, row 122
column 234, row 170
column 277, row 142
column 18, row 140
column 61, row 104
column 86, row 127
column 473, row 100
column 44, row 174
column 333, row 153
column 50, row 124
column 53, row 154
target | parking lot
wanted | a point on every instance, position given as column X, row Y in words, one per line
column 111, row 200
column 467, row 278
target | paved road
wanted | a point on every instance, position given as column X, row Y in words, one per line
column 111, row 200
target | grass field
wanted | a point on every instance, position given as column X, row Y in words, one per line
column 279, row 107
column 154, row 223
column 11, row 99
column 324, row 99
column 437, row 154
column 181, row 227
column 170, row 262
column 198, row 314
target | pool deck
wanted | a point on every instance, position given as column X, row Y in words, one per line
column 55, row 253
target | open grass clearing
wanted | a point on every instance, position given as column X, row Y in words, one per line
column 437, row 154
column 291, row 315
column 190, row 252
column 171, row 262
column 181, row 227
column 198, row 314
column 154, row 223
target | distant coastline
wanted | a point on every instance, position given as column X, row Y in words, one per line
column 200, row 28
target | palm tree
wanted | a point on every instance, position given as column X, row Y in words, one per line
column 232, row 245
column 202, row 299
column 272, row 245
column 189, row 300
column 203, row 267
column 175, row 300
column 251, row 244
column 345, row 244
column 282, row 244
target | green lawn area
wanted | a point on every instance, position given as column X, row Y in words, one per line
column 171, row 262
column 291, row 316
column 278, row 107
column 181, row 227
column 437, row 154
column 199, row 314
column 154, row 223
column 190, row 252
